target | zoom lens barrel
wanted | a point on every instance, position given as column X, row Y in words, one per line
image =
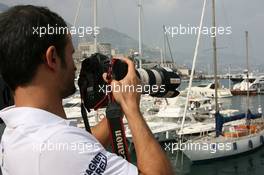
column 159, row 82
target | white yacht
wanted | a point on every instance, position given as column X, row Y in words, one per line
column 257, row 86
column 238, row 78
column 208, row 90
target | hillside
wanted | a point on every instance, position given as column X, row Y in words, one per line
column 121, row 41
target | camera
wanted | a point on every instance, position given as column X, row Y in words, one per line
column 158, row 81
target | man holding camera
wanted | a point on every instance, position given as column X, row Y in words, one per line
column 40, row 71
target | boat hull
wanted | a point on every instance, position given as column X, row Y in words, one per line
column 236, row 146
column 240, row 92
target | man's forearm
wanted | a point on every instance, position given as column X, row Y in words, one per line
column 151, row 159
column 101, row 132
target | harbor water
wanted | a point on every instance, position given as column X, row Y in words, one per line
column 245, row 164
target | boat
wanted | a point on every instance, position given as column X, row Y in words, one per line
column 228, row 141
column 244, row 88
column 248, row 86
column 208, row 90
column 238, row 78
column 255, row 87
column 258, row 84
column 162, row 131
column 72, row 108
column 174, row 106
column 165, row 116
column 199, row 118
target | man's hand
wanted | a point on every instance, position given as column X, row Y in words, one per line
column 127, row 97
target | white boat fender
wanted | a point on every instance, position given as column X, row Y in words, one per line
column 260, row 109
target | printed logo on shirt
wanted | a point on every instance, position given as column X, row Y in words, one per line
column 97, row 165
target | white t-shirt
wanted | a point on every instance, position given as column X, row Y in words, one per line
column 37, row 142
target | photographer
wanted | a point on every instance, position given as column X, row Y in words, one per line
column 38, row 140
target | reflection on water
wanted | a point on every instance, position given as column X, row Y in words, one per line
column 246, row 164
column 240, row 102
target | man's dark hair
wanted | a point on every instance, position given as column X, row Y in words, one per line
column 6, row 98
column 22, row 49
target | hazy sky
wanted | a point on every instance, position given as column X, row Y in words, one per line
column 122, row 15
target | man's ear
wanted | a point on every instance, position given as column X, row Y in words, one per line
column 51, row 58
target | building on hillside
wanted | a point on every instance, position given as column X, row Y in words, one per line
column 86, row 49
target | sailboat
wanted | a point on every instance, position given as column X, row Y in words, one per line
column 245, row 87
column 227, row 140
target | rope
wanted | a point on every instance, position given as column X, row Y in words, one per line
column 77, row 13
column 193, row 66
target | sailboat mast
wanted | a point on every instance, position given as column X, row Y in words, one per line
column 164, row 47
column 166, row 40
column 215, row 57
column 139, row 33
column 95, row 24
column 161, row 56
column 229, row 77
column 247, row 69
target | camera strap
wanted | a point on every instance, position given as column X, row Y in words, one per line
column 117, row 135
column 114, row 117
column 85, row 118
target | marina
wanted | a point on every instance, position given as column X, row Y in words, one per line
column 206, row 107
